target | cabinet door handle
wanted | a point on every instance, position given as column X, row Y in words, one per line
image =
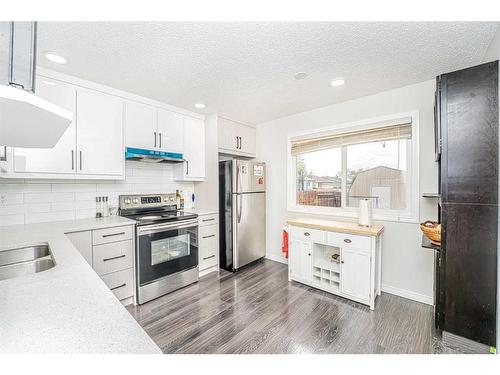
column 212, row 235
column 347, row 240
column 241, row 142
column 81, row 160
column 211, row 219
column 309, row 254
column 187, row 167
column 159, row 134
column 211, row 256
column 307, row 234
column 113, row 234
column 237, row 142
column 342, row 261
column 113, row 258
column 155, row 139
column 72, row 159
column 118, row 287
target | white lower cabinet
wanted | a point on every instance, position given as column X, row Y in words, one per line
column 344, row 264
column 355, row 273
column 83, row 243
column 110, row 252
column 208, row 243
column 301, row 260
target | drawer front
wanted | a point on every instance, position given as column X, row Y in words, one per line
column 121, row 283
column 208, row 219
column 308, row 234
column 349, row 240
column 114, row 234
column 209, row 246
column 112, row 257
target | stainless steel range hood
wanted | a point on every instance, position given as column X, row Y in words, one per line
column 26, row 120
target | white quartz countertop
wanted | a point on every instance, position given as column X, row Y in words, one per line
column 68, row 308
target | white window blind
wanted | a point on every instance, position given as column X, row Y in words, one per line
column 385, row 131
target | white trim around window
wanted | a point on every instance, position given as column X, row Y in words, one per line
column 411, row 215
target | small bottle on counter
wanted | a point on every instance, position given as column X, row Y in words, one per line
column 105, row 207
column 177, row 199
column 98, row 206
column 182, row 200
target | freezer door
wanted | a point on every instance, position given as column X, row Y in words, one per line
column 249, row 221
column 249, row 176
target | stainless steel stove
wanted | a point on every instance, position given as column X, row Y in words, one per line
column 166, row 244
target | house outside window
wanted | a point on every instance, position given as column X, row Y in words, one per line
column 332, row 170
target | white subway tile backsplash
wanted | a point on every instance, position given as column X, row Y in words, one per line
column 11, row 198
column 49, row 216
column 37, row 188
column 12, row 209
column 33, row 200
column 36, row 208
column 85, row 196
column 11, row 219
column 76, row 188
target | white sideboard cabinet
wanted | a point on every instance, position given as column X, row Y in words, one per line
column 338, row 257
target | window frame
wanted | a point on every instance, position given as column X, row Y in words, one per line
column 411, row 214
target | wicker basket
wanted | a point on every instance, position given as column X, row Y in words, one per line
column 432, row 231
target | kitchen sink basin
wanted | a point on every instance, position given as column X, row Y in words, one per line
column 25, row 261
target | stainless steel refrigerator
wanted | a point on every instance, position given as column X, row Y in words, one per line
column 242, row 213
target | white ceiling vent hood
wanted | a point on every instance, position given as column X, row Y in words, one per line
column 26, row 120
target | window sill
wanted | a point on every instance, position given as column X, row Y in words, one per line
column 353, row 214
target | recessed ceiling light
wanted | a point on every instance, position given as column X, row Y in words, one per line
column 55, row 58
column 300, row 75
column 200, row 105
column 337, row 82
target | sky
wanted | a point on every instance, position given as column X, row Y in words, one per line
column 366, row 156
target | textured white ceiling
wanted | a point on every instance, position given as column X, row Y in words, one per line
column 246, row 70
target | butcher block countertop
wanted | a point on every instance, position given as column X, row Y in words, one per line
column 337, row 226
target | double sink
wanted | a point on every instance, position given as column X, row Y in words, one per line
column 25, row 261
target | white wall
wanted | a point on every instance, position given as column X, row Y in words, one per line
column 28, row 201
column 493, row 51
column 407, row 268
column 207, row 192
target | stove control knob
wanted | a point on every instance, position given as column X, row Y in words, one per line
column 171, row 199
column 127, row 201
column 165, row 199
column 136, row 200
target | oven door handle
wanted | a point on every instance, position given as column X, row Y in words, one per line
column 162, row 227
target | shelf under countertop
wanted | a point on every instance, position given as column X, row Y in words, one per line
column 428, row 244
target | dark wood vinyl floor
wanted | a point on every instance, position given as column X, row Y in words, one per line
column 258, row 311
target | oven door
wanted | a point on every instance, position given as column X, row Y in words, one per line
column 164, row 249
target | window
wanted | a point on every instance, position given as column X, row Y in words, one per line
column 333, row 171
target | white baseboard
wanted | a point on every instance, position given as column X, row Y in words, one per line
column 408, row 294
column 277, row 258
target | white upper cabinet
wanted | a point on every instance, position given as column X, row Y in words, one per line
column 61, row 158
column 236, row 138
column 151, row 128
column 141, row 126
column 193, row 168
column 170, row 131
column 99, row 133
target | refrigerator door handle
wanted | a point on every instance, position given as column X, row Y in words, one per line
column 238, row 179
column 239, row 207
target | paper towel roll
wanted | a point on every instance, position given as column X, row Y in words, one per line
column 365, row 212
